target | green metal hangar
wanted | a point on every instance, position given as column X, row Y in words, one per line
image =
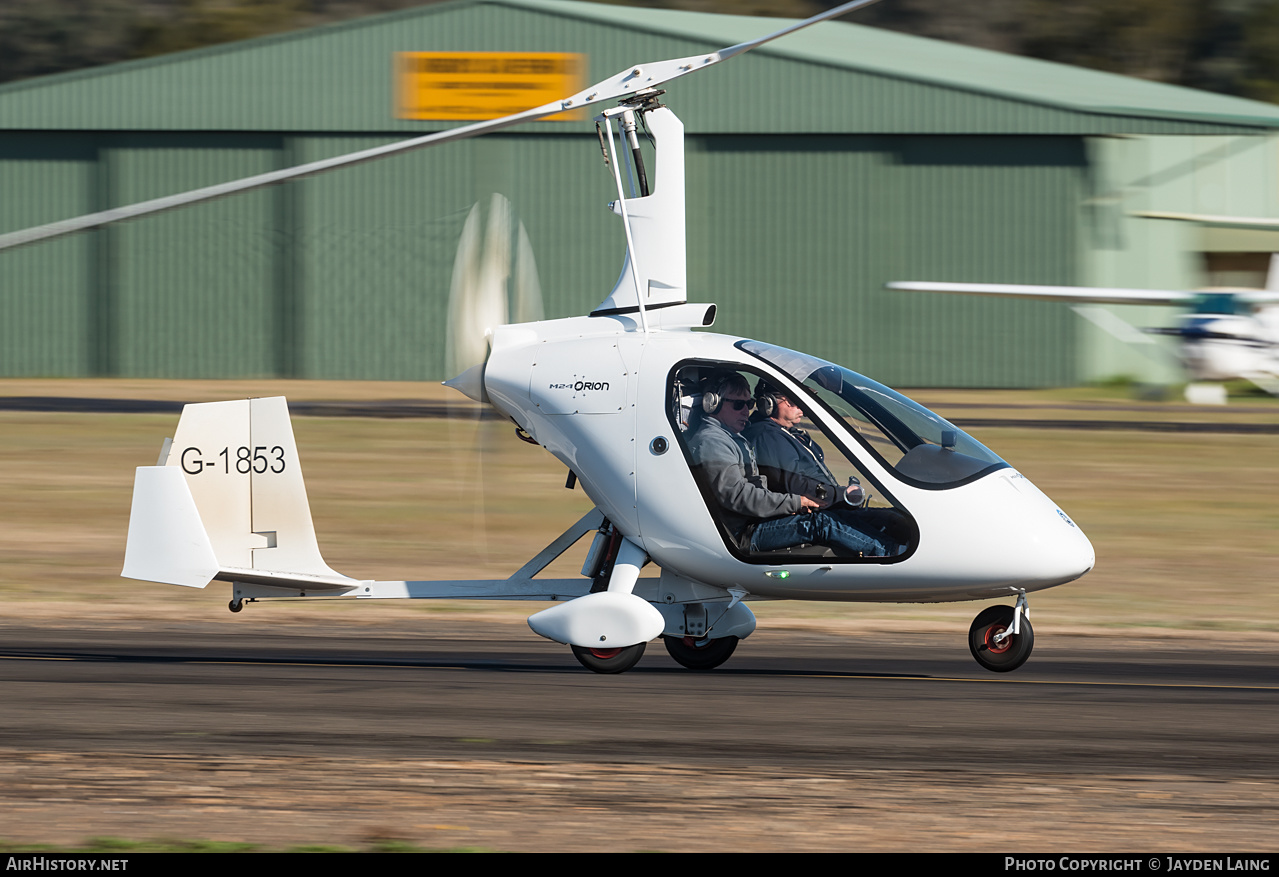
column 819, row 167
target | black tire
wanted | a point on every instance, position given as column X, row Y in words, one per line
column 609, row 660
column 1015, row 650
column 704, row 654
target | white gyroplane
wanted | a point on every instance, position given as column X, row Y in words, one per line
column 614, row 396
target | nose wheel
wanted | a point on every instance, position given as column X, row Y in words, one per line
column 999, row 639
column 609, row 660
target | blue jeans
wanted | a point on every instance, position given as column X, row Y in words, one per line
column 816, row 528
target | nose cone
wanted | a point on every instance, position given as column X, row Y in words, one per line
column 1068, row 554
column 1050, row 547
column 470, row 383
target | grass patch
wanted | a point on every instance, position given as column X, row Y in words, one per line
column 1184, row 524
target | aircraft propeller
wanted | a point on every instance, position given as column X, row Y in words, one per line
column 494, row 280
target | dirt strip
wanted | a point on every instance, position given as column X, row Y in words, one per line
column 62, row 799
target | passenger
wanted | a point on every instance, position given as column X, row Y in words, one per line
column 787, row 455
column 758, row 518
column 793, row 463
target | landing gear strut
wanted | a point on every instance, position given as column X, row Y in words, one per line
column 1001, row 637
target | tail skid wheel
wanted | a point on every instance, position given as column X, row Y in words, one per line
column 700, row 654
column 609, row 660
column 1005, row 656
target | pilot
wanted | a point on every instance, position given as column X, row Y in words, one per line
column 759, row 519
column 793, row 463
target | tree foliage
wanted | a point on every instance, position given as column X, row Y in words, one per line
column 38, row 37
column 1228, row 46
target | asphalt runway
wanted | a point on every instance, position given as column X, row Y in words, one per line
column 464, row 690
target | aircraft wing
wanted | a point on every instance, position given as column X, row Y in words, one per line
column 1258, row 296
column 1097, row 295
column 1258, row 222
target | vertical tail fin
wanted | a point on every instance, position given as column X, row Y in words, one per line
column 228, row 495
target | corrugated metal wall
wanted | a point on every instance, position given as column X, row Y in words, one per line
column 838, row 217
column 347, row 275
column 191, row 291
column 373, row 261
column 47, row 308
column 376, row 245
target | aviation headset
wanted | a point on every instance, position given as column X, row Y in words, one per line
column 716, row 386
column 766, row 397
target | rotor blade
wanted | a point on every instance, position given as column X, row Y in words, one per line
column 1053, row 293
column 271, row 178
column 633, row 79
column 835, row 12
column 1210, row 218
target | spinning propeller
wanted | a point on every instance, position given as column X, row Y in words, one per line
column 494, row 281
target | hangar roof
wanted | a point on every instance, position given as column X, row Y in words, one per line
column 835, row 77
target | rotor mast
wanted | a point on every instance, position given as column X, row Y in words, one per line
column 654, row 273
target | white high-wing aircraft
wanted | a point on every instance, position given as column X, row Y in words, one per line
column 617, row 396
column 1225, row 334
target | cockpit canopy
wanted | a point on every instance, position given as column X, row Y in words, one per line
column 922, row 448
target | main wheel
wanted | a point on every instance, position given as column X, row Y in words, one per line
column 609, row 660
column 1005, row 656
column 700, row 654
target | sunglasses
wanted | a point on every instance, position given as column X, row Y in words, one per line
column 739, row 404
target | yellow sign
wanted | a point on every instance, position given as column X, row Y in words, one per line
column 472, row 86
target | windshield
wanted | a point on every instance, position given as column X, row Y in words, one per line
column 921, row 447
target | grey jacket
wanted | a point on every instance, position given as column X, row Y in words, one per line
column 790, row 463
column 726, row 463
